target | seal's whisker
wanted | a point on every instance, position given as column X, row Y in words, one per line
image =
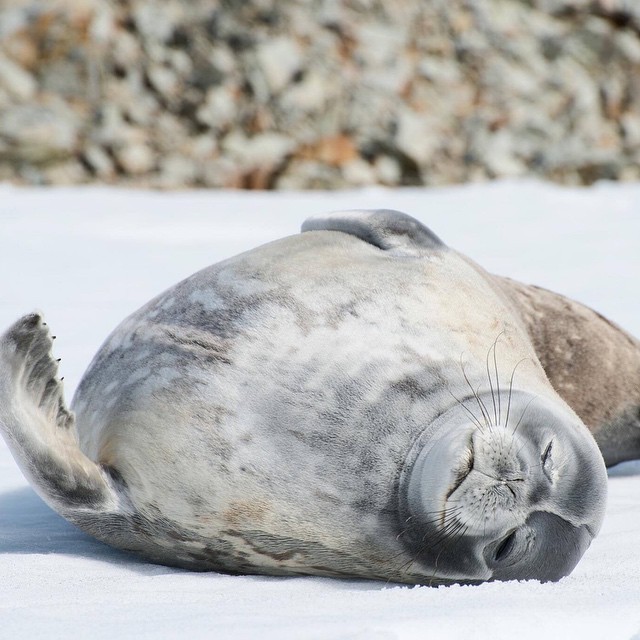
column 435, row 568
column 442, row 522
column 448, row 520
column 405, row 566
column 485, row 415
column 523, row 413
column 445, row 523
column 513, row 373
column 491, row 424
column 453, row 531
column 495, row 366
column 447, row 509
column 493, row 397
column 442, row 516
column 464, row 406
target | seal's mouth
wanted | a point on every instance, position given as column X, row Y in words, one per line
column 463, row 468
column 505, row 548
column 511, row 549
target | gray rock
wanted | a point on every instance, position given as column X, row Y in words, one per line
column 219, row 172
column 417, row 136
column 164, row 81
column 100, row 162
column 136, row 158
column 388, row 170
column 279, row 59
column 219, row 109
column 16, row 81
column 65, row 173
column 267, row 149
column 359, row 173
column 156, row 23
column 177, row 171
column 39, row 133
column 631, row 130
column 66, row 78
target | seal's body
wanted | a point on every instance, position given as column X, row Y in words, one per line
column 358, row 400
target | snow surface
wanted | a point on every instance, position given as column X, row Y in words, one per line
column 90, row 256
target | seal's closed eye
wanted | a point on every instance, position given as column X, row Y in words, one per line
column 383, row 228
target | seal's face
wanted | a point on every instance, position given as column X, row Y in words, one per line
column 520, row 498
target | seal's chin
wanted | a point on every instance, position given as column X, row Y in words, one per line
column 504, row 501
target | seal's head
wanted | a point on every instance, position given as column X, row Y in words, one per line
column 509, row 499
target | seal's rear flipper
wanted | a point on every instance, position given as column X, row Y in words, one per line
column 40, row 430
column 386, row 229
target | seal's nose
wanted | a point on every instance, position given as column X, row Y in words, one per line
column 496, row 454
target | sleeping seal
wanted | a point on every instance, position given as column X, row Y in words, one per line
column 358, row 400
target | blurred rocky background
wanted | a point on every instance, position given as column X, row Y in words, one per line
column 318, row 93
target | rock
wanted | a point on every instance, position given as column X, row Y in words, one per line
column 380, row 44
column 170, row 133
column 21, row 49
column 177, row 171
column 66, row 78
column 416, row 136
column 219, row 109
column 202, row 147
column 99, row 162
column 126, row 51
column 155, row 24
column 15, row 80
column 164, row 81
column 335, row 150
column 135, row 158
column 267, row 149
column 499, row 156
column 103, row 28
column 359, row 173
column 387, row 170
column 39, row 133
column 219, row 172
column 309, row 174
column 279, row 60
column 440, row 70
column 310, row 95
column 65, row 173
column 630, row 123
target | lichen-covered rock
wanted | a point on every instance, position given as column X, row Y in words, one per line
column 334, row 93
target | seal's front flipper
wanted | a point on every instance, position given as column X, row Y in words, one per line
column 386, row 229
column 40, row 430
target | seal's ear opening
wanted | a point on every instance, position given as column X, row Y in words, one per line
column 383, row 228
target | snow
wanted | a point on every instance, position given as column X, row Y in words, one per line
column 90, row 256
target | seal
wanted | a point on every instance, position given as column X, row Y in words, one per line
column 358, row 400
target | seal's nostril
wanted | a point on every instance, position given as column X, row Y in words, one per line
column 505, row 547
